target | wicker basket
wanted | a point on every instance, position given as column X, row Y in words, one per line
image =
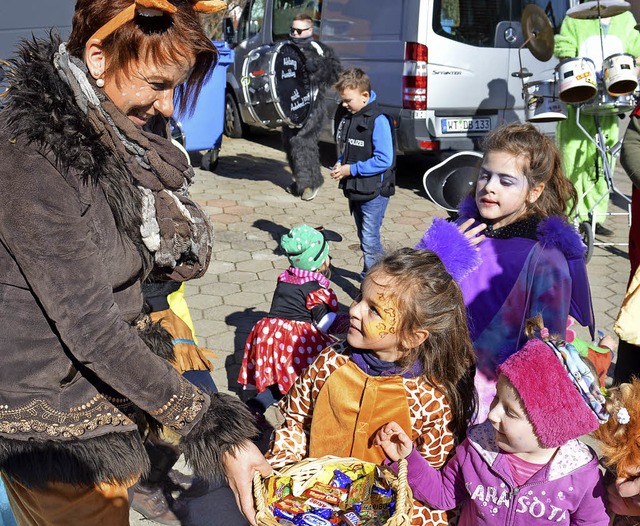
column 302, row 471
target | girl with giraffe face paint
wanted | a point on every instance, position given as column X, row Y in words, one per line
column 407, row 358
column 374, row 320
column 410, row 320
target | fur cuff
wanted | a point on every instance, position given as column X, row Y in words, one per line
column 455, row 251
column 225, row 427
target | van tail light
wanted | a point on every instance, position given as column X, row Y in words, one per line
column 414, row 77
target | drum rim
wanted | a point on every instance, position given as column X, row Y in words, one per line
column 619, row 55
column 566, row 60
column 245, row 74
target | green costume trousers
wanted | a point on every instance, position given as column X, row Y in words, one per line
column 580, row 155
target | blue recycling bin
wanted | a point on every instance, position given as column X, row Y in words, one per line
column 203, row 129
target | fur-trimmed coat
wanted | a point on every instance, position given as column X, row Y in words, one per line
column 74, row 371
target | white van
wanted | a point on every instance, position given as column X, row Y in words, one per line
column 23, row 19
column 19, row 19
column 443, row 69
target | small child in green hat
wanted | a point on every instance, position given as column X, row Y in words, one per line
column 281, row 345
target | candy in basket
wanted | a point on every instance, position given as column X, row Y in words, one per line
column 334, row 491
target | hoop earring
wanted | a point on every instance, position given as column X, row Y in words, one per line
column 100, row 83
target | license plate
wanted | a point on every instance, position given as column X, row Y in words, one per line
column 466, row 125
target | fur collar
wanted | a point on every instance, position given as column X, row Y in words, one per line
column 40, row 109
column 553, row 231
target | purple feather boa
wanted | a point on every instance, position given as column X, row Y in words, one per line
column 455, row 251
column 555, row 231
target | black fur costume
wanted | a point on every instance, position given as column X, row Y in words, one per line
column 301, row 144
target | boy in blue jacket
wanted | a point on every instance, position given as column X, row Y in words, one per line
column 366, row 165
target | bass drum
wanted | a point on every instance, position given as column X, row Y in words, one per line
column 276, row 86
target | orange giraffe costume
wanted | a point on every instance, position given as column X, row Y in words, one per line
column 348, row 406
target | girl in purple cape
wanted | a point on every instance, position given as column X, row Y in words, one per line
column 529, row 259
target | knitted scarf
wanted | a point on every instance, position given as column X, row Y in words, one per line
column 174, row 228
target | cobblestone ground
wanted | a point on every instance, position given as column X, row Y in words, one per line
column 250, row 210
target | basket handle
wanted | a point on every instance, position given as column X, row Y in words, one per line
column 401, row 501
column 258, row 492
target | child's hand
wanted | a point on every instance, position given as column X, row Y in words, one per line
column 472, row 234
column 395, row 443
column 340, row 171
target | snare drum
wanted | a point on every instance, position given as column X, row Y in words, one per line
column 576, row 79
column 276, row 86
column 541, row 102
column 606, row 104
column 620, row 74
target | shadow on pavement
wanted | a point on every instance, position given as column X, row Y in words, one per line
column 409, row 168
column 242, row 323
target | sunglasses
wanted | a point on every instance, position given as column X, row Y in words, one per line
column 298, row 30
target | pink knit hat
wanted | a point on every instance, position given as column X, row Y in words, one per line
column 553, row 403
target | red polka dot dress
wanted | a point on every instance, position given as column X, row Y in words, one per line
column 283, row 344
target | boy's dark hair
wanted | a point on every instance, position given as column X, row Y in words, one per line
column 429, row 299
column 353, row 78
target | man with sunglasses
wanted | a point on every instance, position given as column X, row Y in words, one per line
column 301, row 144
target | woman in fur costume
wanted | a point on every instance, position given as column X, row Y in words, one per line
column 530, row 260
column 92, row 204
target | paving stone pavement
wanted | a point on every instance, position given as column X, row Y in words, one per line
column 250, row 210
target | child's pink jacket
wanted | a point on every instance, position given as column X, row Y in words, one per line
column 569, row 490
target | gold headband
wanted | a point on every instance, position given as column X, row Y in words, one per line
column 153, row 8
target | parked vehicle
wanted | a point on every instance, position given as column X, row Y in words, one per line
column 24, row 18
column 443, row 69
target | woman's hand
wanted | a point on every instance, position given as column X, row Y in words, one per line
column 472, row 233
column 239, row 471
column 623, row 497
column 395, row 443
column 340, row 171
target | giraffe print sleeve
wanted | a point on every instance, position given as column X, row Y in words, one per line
column 431, row 417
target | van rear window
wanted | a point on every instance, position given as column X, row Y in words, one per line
column 480, row 23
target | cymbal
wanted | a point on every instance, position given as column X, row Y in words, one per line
column 538, row 32
column 599, row 9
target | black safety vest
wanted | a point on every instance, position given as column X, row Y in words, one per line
column 354, row 138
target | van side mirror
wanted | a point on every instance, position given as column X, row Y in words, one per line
column 228, row 30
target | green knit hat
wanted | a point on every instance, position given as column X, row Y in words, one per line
column 306, row 248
